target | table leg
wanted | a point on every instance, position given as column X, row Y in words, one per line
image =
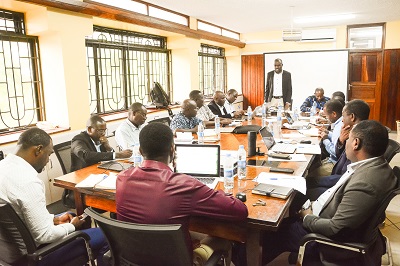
column 253, row 247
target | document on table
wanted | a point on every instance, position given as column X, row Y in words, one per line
column 312, row 132
column 308, row 149
column 99, row 181
column 183, row 137
column 296, row 182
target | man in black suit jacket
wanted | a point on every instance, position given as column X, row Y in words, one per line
column 344, row 212
column 217, row 105
column 283, row 94
column 91, row 146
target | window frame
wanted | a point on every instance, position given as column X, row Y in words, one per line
column 349, row 27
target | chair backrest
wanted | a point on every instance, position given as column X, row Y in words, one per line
column 63, row 153
column 15, row 238
column 143, row 244
column 164, row 120
column 392, row 149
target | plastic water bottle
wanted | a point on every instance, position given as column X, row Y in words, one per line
column 313, row 110
column 264, row 110
column 137, row 157
column 200, row 133
column 296, row 114
column 228, row 172
column 249, row 113
column 279, row 118
column 217, row 127
column 241, row 166
column 270, row 128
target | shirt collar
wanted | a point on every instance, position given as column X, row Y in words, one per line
column 155, row 164
column 354, row 166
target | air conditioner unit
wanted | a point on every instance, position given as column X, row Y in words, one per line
column 319, row 35
column 291, row 35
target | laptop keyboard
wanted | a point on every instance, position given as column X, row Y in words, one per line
column 206, row 180
column 283, row 148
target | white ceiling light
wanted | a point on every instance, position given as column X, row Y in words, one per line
column 325, row 18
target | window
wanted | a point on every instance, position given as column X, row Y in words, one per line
column 202, row 25
column 212, row 69
column 122, row 67
column 366, row 36
column 20, row 83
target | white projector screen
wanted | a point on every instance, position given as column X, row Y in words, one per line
column 310, row 70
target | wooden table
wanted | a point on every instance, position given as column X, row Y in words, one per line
column 260, row 218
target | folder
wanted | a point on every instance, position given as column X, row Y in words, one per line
column 272, row 191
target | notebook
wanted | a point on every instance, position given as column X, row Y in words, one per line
column 272, row 191
column 200, row 161
column 114, row 165
column 269, row 141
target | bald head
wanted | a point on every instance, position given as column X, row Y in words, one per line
column 189, row 108
column 219, row 98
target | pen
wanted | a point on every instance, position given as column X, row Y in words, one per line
column 276, row 178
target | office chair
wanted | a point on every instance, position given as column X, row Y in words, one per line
column 392, row 149
column 17, row 246
column 63, row 153
column 361, row 248
column 164, row 120
column 146, row 244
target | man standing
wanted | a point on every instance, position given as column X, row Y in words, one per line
column 278, row 90
column 91, row 146
column 231, row 97
column 127, row 133
column 343, row 212
column 21, row 187
column 217, row 105
column 154, row 194
column 317, row 98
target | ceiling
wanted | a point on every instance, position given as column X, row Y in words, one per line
column 247, row 16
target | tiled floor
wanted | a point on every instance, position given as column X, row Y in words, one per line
column 390, row 230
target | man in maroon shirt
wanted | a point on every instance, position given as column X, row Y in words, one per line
column 154, row 194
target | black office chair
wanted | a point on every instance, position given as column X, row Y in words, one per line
column 63, row 153
column 361, row 248
column 17, row 246
column 146, row 244
column 164, row 120
column 392, row 149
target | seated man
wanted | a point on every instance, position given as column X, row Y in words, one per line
column 21, row 187
column 333, row 112
column 343, row 212
column 317, row 98
column 217, row 105
column 231, row 97
column 127, row 133
column 154, row 194
column 204, row 113
column 186, row 120
column 91, row 146
column 353, row 112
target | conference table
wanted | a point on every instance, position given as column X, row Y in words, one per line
column 260, row 218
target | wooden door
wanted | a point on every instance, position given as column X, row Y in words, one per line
column 252, row 80
column 365, row 79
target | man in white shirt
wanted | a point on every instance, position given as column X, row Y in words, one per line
column 231, row 97
column 21, row 187
column 344, row 211
column 127, row 133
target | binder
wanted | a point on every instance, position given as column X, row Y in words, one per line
column 272, row 191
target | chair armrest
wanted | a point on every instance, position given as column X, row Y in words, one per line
column 214, row 258
column 51, row 247
column 353, row 246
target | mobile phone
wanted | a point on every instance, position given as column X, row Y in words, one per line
column 281, row 170
column 280, row 156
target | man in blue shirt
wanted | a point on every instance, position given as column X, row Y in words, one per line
column 317, row 98
column 186, row 120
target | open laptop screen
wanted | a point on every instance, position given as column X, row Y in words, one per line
column 267, row 137
column 198, row 160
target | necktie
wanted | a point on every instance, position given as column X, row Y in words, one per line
column 225, row 112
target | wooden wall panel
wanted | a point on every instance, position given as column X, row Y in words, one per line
column 252, row 80
column 390, row 105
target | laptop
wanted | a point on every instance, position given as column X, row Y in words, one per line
column 271, row 145
column 294, row 124
column 117, row 166
column 201, row 161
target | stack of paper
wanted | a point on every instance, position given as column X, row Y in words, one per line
column 183, row 137
column 296, row 182
column 99, row 181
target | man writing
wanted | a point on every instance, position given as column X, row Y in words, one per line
column 278, row 90
column 127, row 133
column 186, row 120
column 21, row 187
column 318, row 98
column 154, row 194
column 91, row 146
column 343, row 212
column 231, row 97
column 217, row 105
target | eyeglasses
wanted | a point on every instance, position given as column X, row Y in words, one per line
column 102, row 131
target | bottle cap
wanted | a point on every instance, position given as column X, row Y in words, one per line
column 241, row 146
